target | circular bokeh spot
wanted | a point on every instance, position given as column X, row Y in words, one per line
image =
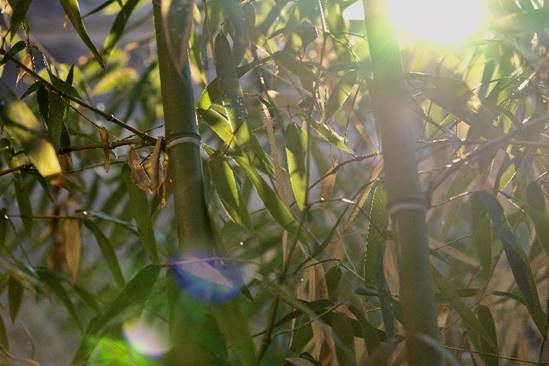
column 147, row 337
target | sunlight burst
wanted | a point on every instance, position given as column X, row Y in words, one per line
column 438, row 21
column 435, row 21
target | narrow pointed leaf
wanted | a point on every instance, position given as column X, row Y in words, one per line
column 107, row 251
column 136, row 292
column 482, row 234
column 485, row 317
column 53, row 281
column 141, row 211
column 118, row 26
column 461, row 307
column 20, row 8
column 517, row 259
column 15, row 297
column 296, row 155
column 4, row 340
column 72, row 10
column 227, row 189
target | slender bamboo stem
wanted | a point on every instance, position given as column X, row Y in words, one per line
column 395, row 117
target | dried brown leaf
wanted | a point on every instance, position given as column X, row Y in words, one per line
column 165, row 186
column 327, row 184
column 70, row 229
column 155, row 168
column 137, row 172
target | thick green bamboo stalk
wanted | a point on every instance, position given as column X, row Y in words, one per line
column 396, row 120
column 201, row 333
column 181, row 128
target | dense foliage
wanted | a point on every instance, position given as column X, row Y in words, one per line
column 305, row 266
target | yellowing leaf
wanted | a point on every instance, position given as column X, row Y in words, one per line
column 21, row 125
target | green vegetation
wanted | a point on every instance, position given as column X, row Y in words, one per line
column 271, row 182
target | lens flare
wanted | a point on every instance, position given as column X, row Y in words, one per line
column 147, row 337
column 208, row 278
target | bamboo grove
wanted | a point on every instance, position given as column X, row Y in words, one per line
column 272, row 182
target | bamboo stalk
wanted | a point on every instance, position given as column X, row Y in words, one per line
column 192, row 331
column 193, row 224
column 395, row 118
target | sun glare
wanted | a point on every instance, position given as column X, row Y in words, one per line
column 436, row 21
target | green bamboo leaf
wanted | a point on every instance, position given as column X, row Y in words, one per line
column 368, row 331
column 100, row 7
column 375, row 239
column 23, row 201
column 14, row 50
column 136, row 292
column 339, row 94
column 4, row 340
column 333, row 278
column 522, row 22
column 72, row 10
column 272, row 202
column 20, row 8
column 517, row 259
column 455, row 96
column 234, row 326
column 43, row 100
column 295, row 67
column 482, row 234
column 485, row 317
column 23, row 127
column 53, row 281
column 108, row 218
column 115, row 79
column 217, row 122
column 232, row 96
column 537, row 211
column 374, row 274
column 343, row 339
column 87, row 297
column 234, row 13
column 461, row 307
column 118, row 26
column 137, row 92
column 3, row 227
column 55, row 118
column 330, row 135
column 141, row 211
column 65, row 86
column 227, row 188
column 107, row 251
column 296, row 155
column 15, row 297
